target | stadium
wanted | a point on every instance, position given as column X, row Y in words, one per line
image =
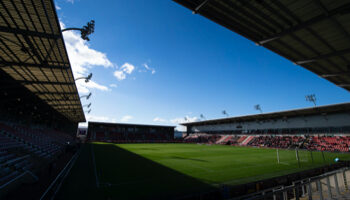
column 287, row 154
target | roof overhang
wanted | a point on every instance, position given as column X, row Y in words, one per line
column 314, row 34
column 33, row 53
column 127, row 124
column 317, row 110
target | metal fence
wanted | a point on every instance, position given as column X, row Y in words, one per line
column 54, row 187
column 331, row 185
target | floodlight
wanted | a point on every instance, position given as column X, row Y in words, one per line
column 85, row 31
column 258, row 107
column 311, row 98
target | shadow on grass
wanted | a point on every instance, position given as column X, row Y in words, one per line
column 126, row 175
column 193, row 159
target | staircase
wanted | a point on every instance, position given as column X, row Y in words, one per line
column 221, row 139
column 247, row 140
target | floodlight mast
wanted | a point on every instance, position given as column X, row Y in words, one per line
column 258, row 107
column 225, row 113
column 85, row 31
column 87, row 96
column 88, row 111
column 87, row 105
column 311, row 98
column 87, row 78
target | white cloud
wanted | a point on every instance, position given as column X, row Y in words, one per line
column 92, row 84
column 182, row 120
column 146, row 66
column 158, row 119
column 57, row 7
column 113, row 85
column 98, row 118
column 70, row 1
column 126, row 68
column 153, row 71
column 83, row 87
column 181, row 128
column 119, row 75
column 95, row 118
column 82, row 58
column 126, row 118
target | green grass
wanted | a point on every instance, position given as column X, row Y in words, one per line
column 132, row 171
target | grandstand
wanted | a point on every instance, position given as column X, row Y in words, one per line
column 129, row 133
column 311, row 34
column 40, row 106
column 322, row 128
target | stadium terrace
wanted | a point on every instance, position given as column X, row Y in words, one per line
column 315, row 120
column 293, row 154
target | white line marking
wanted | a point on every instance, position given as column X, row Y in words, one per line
column 284, row 163
column 94, row 163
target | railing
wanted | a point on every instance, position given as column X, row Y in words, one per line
column 331, row 185
column 54, row 187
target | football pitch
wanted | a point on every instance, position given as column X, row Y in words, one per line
column 134, row 171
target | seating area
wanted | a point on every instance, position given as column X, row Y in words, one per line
column 337, row 144
column 232, row 140
column 132, row 137
column 317, row 143
column 277, row 141
column 322, row 143
column 12, row 163
column 202, row 138
column 42, row 142
column 22, row 147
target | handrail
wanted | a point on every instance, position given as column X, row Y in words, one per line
column 280, row 189
column 12, row 180
column 14, row 160
column 59, row 176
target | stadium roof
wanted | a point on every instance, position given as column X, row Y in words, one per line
column 33, row 53
column 314, row 34
column 126, row 124
column 317, row 110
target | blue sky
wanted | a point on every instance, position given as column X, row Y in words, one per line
column 154, row 62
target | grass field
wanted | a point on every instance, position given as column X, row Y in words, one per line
column 133, row 171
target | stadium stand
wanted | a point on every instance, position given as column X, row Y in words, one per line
column 317, row 143
column 204, row 138
column 322, row 128
column 24, row 150
column 326, row 143
column 129, row 133
column 40, row 106
column 42, row 142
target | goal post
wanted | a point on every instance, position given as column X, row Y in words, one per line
column 300, row 157
column 285, row 156
column 297, row 156
column 293, row 156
